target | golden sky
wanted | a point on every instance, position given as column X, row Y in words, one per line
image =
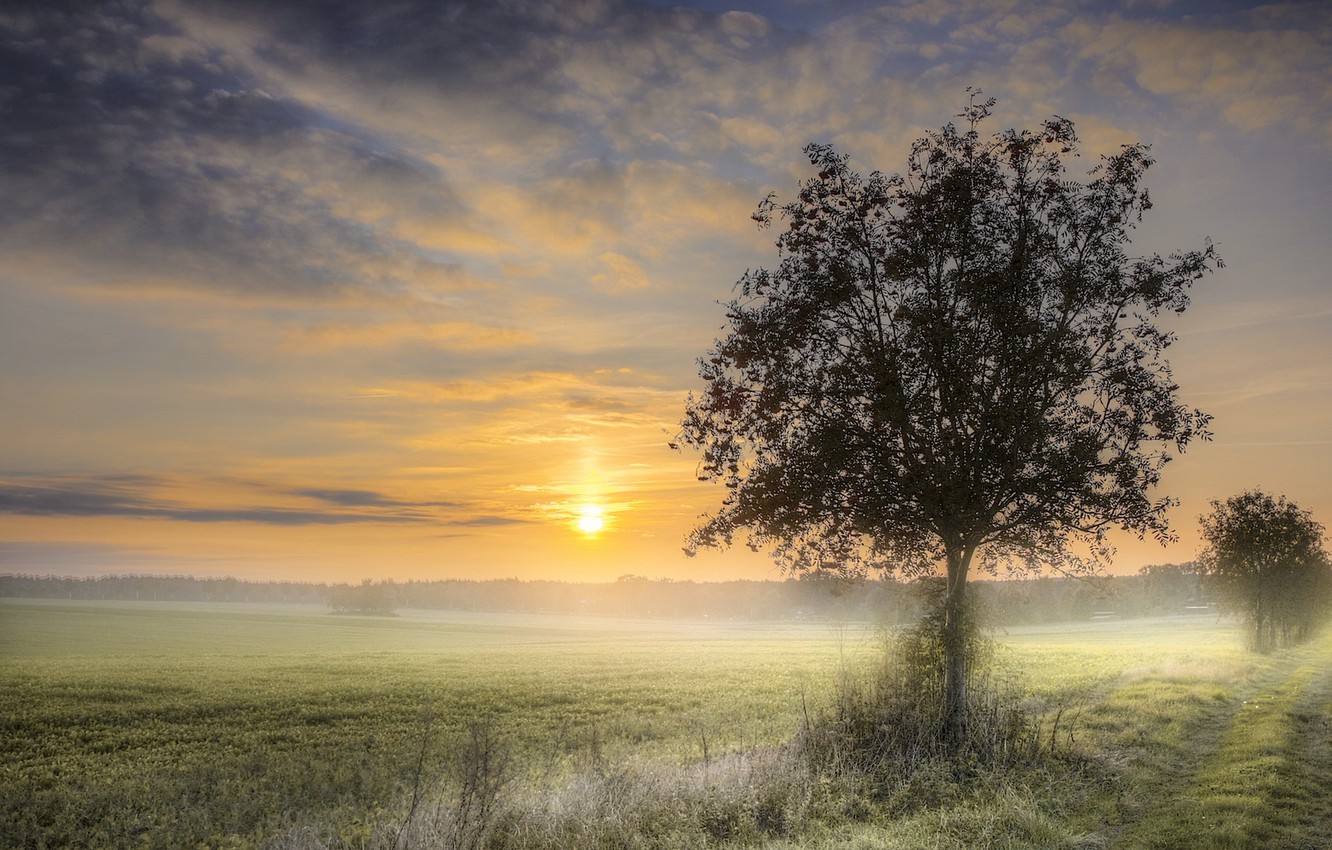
column 336, row 290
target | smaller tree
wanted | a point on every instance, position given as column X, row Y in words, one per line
column 1265, row 557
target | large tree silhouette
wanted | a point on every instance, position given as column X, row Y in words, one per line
column 957, row 360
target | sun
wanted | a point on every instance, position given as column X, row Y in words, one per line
column 590, row 520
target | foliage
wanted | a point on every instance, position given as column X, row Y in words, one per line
column 887, row 727
column 1266, row 556
column 964, row 356
column 957, row 359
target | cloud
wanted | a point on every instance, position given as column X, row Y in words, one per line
column 102, row 498
column 364, row 498
column 309, row 149
column 450, row 336
column 138, row 497
column 1267, row 310
column 484, row 389
column 140, row 151
column 622, row 273
column 1264, row 67
column 489, row 521
column 366, row 253
column 313, row 149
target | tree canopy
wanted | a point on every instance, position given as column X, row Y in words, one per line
column 957, row 359
column 1266, row 557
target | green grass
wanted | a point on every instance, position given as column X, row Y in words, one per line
column 158, row 725
column 1252, row 767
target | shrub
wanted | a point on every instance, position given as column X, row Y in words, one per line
column 888, row 728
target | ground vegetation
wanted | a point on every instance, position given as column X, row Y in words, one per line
column 133, row 725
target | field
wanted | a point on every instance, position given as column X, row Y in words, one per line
column 173, row 725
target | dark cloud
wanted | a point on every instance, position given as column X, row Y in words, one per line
column 349, row 498
column 489, row 521
column 139, row 498
column 59, row 496
column 365, row 499
column 132, row 147
column 590, row 72
column 282, row 516
column 215, row 144
column 514, row 45
column 48, row 501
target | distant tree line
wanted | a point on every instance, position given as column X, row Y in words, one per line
column 1155, row 590
column 160, row 588
column 370, row 597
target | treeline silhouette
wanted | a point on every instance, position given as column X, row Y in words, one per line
column 1155, row 590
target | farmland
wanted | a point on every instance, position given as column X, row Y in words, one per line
column 173, row 725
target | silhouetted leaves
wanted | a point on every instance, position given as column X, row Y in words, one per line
column 963, row 357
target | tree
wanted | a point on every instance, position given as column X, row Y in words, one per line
column 963, row 359
column 1266, row 557
column 371, row 597
column 1168, row 588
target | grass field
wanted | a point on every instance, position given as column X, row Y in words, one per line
column 168, row 725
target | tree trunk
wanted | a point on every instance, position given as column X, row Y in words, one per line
column 955, row 647
column 1258, row 624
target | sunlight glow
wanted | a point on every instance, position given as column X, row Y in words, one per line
column 590, row 521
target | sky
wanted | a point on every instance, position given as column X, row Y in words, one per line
column 336, row 290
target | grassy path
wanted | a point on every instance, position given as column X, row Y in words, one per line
column 1312, row 724
column 1248, row 769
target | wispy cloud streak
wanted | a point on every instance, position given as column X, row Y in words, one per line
column 112, row 497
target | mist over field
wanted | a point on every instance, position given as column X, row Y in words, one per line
column 284, row 725
column 1159, row 589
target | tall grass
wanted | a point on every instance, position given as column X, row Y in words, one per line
column 888, row 722
column 876, row 750
column 477, row 799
